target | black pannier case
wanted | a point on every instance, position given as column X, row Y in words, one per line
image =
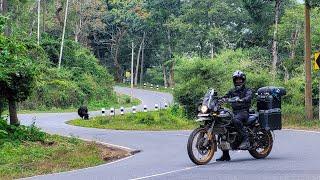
column 269, row 107
column 269, row 97
column 270, row 119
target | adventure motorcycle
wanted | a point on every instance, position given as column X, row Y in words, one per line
column 217, row 130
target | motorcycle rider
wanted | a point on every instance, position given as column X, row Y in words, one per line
column 240, row 109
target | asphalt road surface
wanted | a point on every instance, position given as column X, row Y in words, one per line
column 163, row 155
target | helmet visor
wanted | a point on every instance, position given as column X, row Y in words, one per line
column 238, row 81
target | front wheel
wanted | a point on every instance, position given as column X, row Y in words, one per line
column 265, row 143
column 201, row 146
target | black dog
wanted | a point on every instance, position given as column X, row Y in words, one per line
column 83, row 112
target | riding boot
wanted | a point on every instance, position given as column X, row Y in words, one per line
column 225, row 156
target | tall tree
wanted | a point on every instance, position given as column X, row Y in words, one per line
column 275, row 38
column 63, row 33
column 17, row 74
column 308, row 87
column 138, row 59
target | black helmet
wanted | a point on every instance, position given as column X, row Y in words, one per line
column 239, row 75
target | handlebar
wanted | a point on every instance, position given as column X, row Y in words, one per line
column 231, row 100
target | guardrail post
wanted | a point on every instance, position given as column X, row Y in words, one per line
column 112, row 113
column 103, row 112
column 122, row 110
column 134, row 110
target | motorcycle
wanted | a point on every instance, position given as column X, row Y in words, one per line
column 216, row 130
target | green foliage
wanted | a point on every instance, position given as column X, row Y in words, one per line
column 154, row 76
column 80, row 81
column 195, row 76
column 20, row 133
column 17, row 69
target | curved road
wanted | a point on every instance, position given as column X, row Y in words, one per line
column 295, row 154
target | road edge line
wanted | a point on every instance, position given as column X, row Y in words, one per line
column 75, row 170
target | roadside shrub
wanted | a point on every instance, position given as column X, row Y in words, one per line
column 154, row 75
column 147, row 119
column 20, row 133
column 80, row 81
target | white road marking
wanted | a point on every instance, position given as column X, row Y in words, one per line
column 179, row 170
column 298, row 130
column 107, row 144
column 165, row 173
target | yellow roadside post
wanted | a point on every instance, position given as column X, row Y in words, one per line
column 316, row 63
column 316, row 67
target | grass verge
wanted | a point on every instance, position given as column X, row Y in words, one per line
column 299, row 122
column 56, row 154
column 293, row 117
column 154, row 121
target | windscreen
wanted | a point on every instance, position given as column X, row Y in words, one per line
column 208, row 99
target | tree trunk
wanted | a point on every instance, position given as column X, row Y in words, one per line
column 286, row 74
column 4, row 6
column 119, row 37
column 4, row 10
column 2, row 106
column 58, row 16
column 274, row 44
column 307, row 45
column 132, row 59
column 171, row 71
column 171, row 75
column 63, row 34
column 77, row 30
column 13, row 112
column 117, row 65
column 164, row 75
column 31, row 27
column 142, row 60
column 138, row 61
column 44, row 14
column 38, row 30
column 212, row 51
column 294, row 40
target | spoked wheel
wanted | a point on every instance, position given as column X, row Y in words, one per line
column 201, row 146
column 264, row 145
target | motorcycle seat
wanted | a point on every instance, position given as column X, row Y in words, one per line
column 252, row 119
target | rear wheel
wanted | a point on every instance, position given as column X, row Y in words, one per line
column 265, row 143
column 201, row 146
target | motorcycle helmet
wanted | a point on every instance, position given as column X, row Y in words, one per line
column 239, row 79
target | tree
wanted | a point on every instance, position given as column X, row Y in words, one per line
column 290, row 39
column 17, row 74
column 162, row 13
column 275, row 41
column 308, row 88
column 63, row 33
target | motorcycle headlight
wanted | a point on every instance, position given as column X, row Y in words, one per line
column 204, row 109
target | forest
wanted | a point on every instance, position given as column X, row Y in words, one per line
column 65, row 53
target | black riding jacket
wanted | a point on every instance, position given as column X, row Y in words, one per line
column 244, row 94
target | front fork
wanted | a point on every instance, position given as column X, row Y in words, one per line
column 211, row 137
